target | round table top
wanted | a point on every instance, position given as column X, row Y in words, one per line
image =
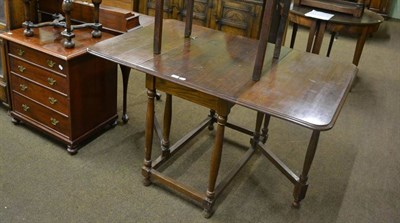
column 368, row 17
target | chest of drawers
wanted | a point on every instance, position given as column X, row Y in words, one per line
column 66, row 93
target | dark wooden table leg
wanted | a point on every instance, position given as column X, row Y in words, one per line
column 125, row 79
column 319, row 37
column 294, row 34
column 264, row 131
column 151, row 92
column 166, row 126
column 360, row 46
column 311, row 35
column 257, row 132
column 301, row 186
column 212, row 121
column 333, row 35
column 214, row 166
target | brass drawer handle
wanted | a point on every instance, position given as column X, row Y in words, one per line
column 51, row 63
column 52, row 100
column 54, row 121
column 25, row 107
column 23, row 87
column 51, row 81
column 21, row 68
column 20, row 52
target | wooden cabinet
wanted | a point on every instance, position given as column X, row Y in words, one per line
column 380, row 6
column 65, row 93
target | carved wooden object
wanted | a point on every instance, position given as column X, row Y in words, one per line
column 67, row 8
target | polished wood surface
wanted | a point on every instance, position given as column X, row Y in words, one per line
column 214, row 69
column 363, row 27
column 57, row 90
column 354, row 8
column 114, row 20
column 233, row 68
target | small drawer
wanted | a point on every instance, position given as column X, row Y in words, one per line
column 41, row 114
column 36, row 57
column 40, row 94
column 36, row 74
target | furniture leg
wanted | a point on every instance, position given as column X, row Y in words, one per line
column 158, row 24
column 214, row 166
column 28, row 31
column 146, row 169
column 319, row 37
column 125, row 78
column 264, row 131
column 360, row 46
column 96, row 33
column 301, row 186
column 311, row 35
column 166, row 126
column 294, row 33
column 68, row 32
column 257, row 133
column 189, row 18
column 333, row 35
column 212, row 121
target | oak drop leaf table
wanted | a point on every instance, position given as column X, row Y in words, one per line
column 214, row 69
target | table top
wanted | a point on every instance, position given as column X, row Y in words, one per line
column 368, row 17
column 302, row 88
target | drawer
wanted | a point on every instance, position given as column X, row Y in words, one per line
column 40, row 94
column 51, row 119
column 36, row 57
column 36, row 74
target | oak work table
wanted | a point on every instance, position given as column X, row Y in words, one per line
column 214, row 69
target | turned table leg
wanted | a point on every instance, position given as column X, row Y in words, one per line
column 146, row 169
column 264, row 131
column 166, row 126
column 214, row 166
column 301, row 186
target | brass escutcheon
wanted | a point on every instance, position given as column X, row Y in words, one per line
column 54, row 121
column 50, row 63
column 20, row 52
column 52, row 100
column 23, row 87
column 21, row 68
column 25, row 107
column 51, row 81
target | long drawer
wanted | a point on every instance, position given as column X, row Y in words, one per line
column 41, row 76
column 37, row 57
column 31, row 109
column 44, row 96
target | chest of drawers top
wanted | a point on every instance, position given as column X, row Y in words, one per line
column 48, row 40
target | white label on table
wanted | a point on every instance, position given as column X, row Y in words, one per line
column 319, row 15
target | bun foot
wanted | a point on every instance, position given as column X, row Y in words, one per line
column 72, row 150
column 15, row 121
